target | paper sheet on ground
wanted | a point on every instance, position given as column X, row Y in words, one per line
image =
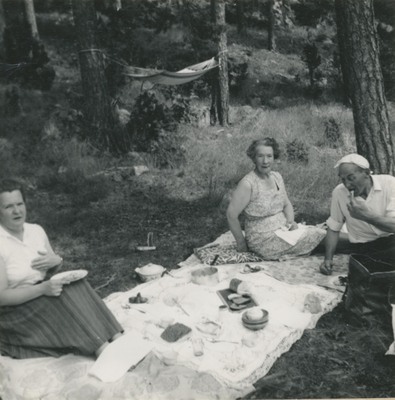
column 291, row 237
column 119, row 356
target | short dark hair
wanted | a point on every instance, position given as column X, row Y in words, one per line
column 267, row 141
column 10, row 184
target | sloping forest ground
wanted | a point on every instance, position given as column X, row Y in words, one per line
column 97, row 224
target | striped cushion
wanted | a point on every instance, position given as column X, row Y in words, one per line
column 218, row 255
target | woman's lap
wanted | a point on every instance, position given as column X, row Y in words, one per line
column 78, row 321
column 271, row 247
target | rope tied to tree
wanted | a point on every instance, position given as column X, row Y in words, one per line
column 90, row 51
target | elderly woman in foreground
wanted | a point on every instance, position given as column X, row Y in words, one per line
column 269, row 216
column 41, row 317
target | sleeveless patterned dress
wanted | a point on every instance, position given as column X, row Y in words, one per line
column 264, row 215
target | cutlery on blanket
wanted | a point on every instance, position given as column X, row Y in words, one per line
column 167, row 272
column 214, row 259
column 173, row 301
column 212, row 340
column 181, row 308
column 129, row 307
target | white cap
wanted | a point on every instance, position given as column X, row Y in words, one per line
column 354, row 159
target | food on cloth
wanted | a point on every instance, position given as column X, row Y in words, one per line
column 175, row 332
column 240, row 300
column 254, row 314
column 138, row 299
column 209, row 327
column 312, row 303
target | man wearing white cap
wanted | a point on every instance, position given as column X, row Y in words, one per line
column 366, row 204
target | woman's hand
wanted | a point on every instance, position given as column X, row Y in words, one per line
column 52, row 288
column 292, row 226
column 45, row 261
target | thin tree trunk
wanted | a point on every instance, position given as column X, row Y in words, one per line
column 2, row 27
column 220, row 89
column 223, row 109
column 2, row 20
column 117, row 5
column 213, row 7
column 97, row 100
column 287, row 17
column 241, row 25
column 214, row 74
column 360, row 60
column 271, row 40
column 341, row 42
column 31, row 19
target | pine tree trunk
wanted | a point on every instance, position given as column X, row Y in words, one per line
column 360, row 62
column 223, row 107
column 94, row 84
column 220, row 87
column 214, row 74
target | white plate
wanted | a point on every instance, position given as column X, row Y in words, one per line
column 70, row 276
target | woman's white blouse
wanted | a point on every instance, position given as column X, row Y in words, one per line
column 17, row 255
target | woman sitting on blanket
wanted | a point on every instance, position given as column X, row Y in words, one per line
column 262, row 198
column 41, row 317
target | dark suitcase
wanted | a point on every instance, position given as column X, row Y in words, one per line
column 369, row 285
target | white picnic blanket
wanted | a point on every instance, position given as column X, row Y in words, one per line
column 234, row 357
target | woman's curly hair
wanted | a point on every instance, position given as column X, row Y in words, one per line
column 267, row 141
column 9, row 185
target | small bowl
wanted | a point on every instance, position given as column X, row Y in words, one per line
column 205, row 276
column 263, row 319
column 150, row 272
column 255, row 327
column 255, row 324
column 169, row 357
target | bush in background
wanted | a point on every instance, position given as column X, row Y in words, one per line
column 153, row 126
column 297, row 151
column 333, row 136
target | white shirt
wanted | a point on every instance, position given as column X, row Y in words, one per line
column 381, row 200
column 17, row 255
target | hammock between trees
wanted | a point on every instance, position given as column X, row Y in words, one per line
column 164, row 77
